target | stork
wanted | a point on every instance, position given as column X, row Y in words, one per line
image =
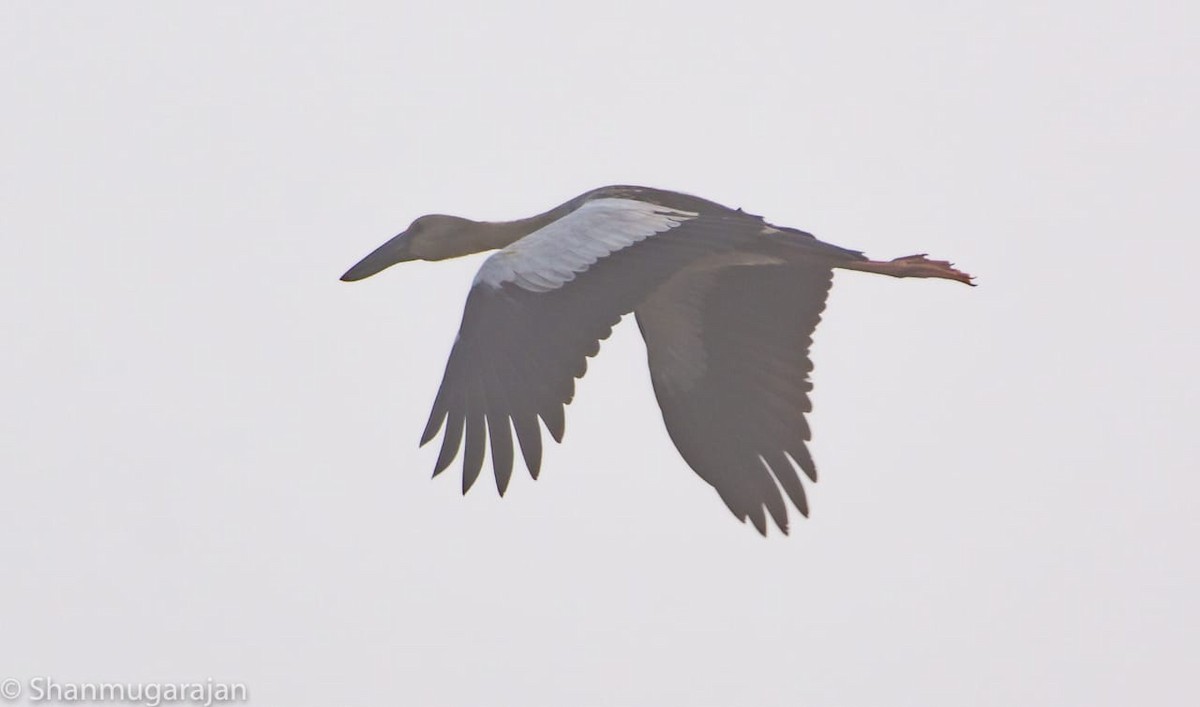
column 726, row 303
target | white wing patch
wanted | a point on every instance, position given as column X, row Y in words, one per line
column 553, row 255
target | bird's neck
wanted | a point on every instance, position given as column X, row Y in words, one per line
column 499, row 234
column 480, row 236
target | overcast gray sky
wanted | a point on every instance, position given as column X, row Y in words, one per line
column 208, row 443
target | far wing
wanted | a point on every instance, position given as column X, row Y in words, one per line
column 540, row 307
column 728, row 349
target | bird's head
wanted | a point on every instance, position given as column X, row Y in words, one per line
column 431, row 237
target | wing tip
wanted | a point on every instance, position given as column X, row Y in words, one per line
column 432, row 427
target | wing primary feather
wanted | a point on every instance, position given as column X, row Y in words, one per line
column 433, row 426
column 555, row 422
column 530, row 437
column 451, row 380
column 473, row 450
column 502, row 449
column 768, row 492
column 476, row 441
column 785, row 473
column 450, row 403
column 450, row 443
column 758, row 518
column 498, row 409
column 803, row 459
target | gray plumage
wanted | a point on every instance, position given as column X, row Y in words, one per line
column 726, row 302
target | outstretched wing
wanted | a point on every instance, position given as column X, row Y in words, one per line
column 539, row 308
column 728, row 343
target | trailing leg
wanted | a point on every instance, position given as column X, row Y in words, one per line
column 909, row 266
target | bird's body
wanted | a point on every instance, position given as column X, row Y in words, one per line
column 726, row 303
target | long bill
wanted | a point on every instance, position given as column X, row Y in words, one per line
column 396, row 250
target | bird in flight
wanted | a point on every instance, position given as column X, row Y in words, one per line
column 726, row 302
